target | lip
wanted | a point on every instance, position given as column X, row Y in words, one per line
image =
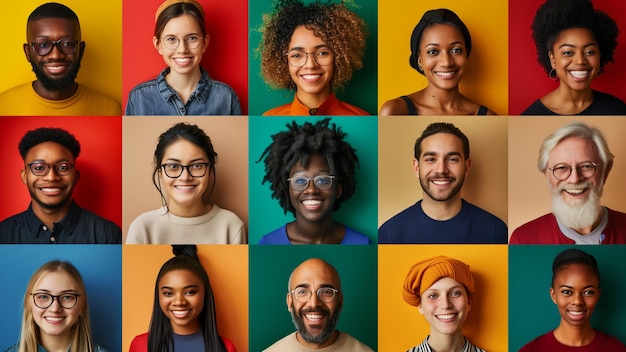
column 54, row 319
column 576, row 314
column 182, row 61
column 446, row 318
column 181, row 314
column 579, row 75
column 445, row 75
column 311, row 77
column 312, row 204
column 185, row 188
column 56, row 68
column 576, row 192
column 51, row 190
column 441, row 182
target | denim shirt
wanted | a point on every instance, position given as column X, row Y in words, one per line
column 40, row 348
column 156, row 97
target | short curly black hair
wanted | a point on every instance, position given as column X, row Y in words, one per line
column 555, row 16
column 342, row 29
column 48, row 134
column 298, row 144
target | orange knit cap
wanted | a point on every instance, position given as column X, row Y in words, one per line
column 168, row 3
column 425, row 273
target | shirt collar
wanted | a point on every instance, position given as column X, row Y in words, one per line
column 201, row 93
column 65, row 227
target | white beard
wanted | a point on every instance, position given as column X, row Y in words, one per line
column 580, row 214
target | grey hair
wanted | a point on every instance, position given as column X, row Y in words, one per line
column 575, row 129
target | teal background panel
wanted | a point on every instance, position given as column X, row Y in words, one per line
column 359, row 212
column 270, row 267
column 531, row 310
column 100, row 266
column 362, row 90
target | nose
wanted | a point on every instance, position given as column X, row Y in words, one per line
column 445, row 59
column 441, row 166
column 179, row 299
column 310, row 188
column 314, row 301
column 55, row 306
column 310, row 60
column 185, row 175
column 580, row 58
column 52, row 174
column 575, row 176
column 445, row 302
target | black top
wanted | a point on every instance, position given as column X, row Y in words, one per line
column 482, row 110
column 602, row 104
column 78, row 226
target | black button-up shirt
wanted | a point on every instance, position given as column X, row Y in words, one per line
column 78, row 226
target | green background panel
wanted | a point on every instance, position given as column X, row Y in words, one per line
column 361, row 90
column 358, row 212
column 270, row 267
column 531, row 310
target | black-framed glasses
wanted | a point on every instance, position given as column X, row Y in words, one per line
column 321, row 57
column 321, row 182
column 42, row 169
column 174, row 170
column 303, row 294
column 44, row 300
column 44, row 47
column 192, row 41
column 585, row 170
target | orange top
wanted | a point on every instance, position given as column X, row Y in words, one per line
column 330, row 106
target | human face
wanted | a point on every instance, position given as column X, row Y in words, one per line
column 443, row 55
column 56, row 322
column 56, row 70
column 445, row 305
column 182, row 59
column 181, row 298
column 51, row 191
column 313, row 204
column 575, row 291
column 575, row 56
column 315, row 320
column 441, row 167
column 310, row 79
column 184, row 191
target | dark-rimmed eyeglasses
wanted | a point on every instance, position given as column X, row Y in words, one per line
column 173, row 170
column 321, row 57
column 303, row 294
column 45, row 300
column 42, row 169
column 321, row 182
column 585, row 170
column 44, row 47
column 171, row 42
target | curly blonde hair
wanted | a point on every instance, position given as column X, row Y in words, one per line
column 342, row 30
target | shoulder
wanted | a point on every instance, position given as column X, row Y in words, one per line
column 284, row 344
column 221, row 86
column 480, row 214
column 537, row 108
column 602, row 97
column 407, row 215
column 143, row 87
column 396, row 106
column 281, row 110
column 139, row 343
column 534, row 231
column 607, row 342
column 11, row 349
column 230, row 346
column 353, row 237
column 344, row 108
column 278, row 236
column 102, row 101
column 227, row 215
column 19, row 89
column 349, row 343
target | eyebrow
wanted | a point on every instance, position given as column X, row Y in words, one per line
column 573, row 46
column 41, row 290
column 192, row 161
column 185, row 287
column 429, row 153
column 316, row 47
column 437, row 44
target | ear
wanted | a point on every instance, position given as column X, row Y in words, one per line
column 468, row 166
column 552, row 62
column 207, row 40
column 23, row 175
column 289, row 301
column 553, row 295
column 157, row 46
column 419, row 308
column 26, row 47
column 81, row 50
column 609, row 166
column 416, row 168
column 339, row 191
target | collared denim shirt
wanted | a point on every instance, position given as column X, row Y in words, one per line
column 156, row 97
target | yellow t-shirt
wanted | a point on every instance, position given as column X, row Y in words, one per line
column 22, row 100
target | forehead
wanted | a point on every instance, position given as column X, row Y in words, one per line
column 577, row 272
column 183, row 148
column 314, row 273
column 179, row 278
column 444, row 284
column 49, row 152
column 53, row 28
column 442, row 143
column 442, row 33
column 54, row 281
column 316, row 163
column 573, row 149
column 581, row 36
column 305, row 38
column 183, row 23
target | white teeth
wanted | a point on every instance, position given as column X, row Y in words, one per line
column 444, row 74
column 310, row 76
column 579, row 74
column 438, row 182
column 574, row 191
column 50, row 189
column 184, row 187
column 183, row 60
column 314, row 317
column 54, row 319
column 446, row 316
column 311, row 202
column 180, row 314
column 575, row 313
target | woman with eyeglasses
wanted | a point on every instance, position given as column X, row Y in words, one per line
column 310, row 168
column 184, row 175
column 313, row 48
column 183, row 87
column 183, row 314
column 56, row 312
column 442, row 289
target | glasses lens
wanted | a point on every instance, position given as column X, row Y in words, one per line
column 301, row 294
column 67, row 46
column 44, row 300
column 192, row 41
column 63, row 168
column 587, row 170
column 170, row 42
column 323, row 182
column 172, row 170
column 326, row 295
column 197, row 169
column 561, row 172
column 299, row 183
column 39, row 169
column 67, row 300
column 323, row 57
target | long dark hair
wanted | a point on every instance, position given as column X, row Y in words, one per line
column 160, row 334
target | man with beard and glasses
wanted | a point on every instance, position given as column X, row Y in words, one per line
column 441, row 163
column 576, row 161
column 314, row 299
column 55, row 50
column 50, row 175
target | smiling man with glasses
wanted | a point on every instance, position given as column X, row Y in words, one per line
column 314, row 299
column 576, row 161
column 54, row 49
column 50, row 175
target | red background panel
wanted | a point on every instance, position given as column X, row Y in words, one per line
column 527, row 79
column 226, row 58
column 99, row 188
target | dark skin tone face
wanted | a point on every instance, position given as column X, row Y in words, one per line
column 56, row 70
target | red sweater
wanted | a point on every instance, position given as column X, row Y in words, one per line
column 545, row 230
column 140, row 344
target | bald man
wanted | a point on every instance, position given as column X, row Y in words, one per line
column 314, row 300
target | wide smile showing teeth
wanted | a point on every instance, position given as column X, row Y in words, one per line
column 311, row 202
column 445, row 316
column 54, row 319
column 180, row 313
column 311, row 77
column 50, row 190
column 55, row 69
column 441, row 182
column 184, row 187
column 445, row 74
column 579, row 73
column 572, row 312
column 575, row 192
column 182, row 60
column 315, row 317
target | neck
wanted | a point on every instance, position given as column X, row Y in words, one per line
column 189, row 210
column 312, row 100
column 326, row 231
column 49, row 216
column 184, row 84
column 445, row 100
column 55, row 94
column 446, row 342
column 57, row 343
column 441, row 210
column 574, row 335
column 317, row 346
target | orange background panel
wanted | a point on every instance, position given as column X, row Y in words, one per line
column 227, row 267
column 401, row 326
